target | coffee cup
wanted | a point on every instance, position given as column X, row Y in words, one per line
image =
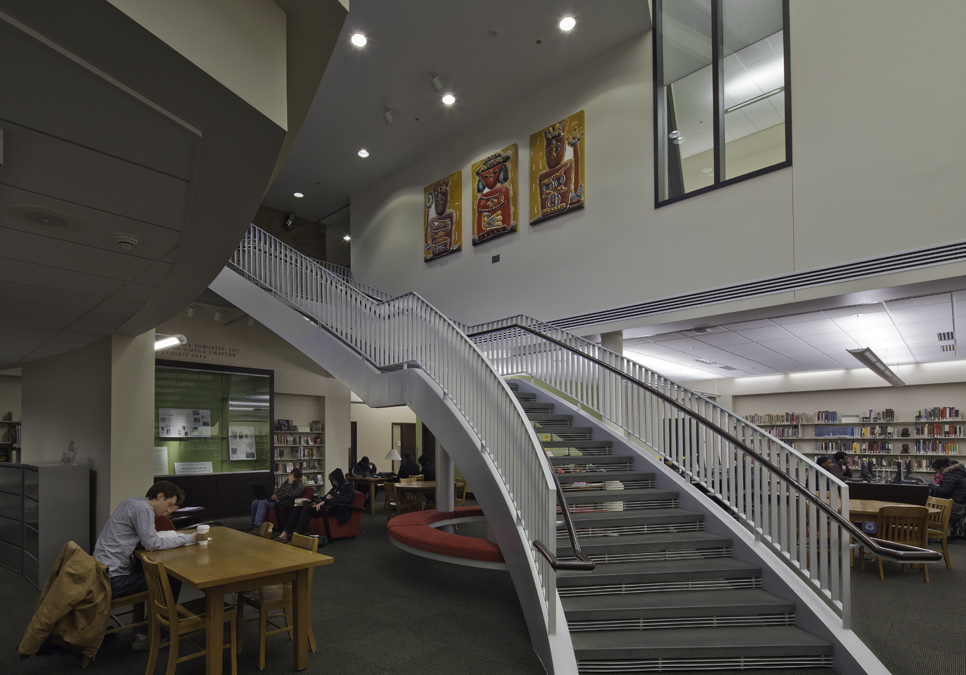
column 203, row 534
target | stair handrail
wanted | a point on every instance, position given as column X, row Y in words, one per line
column 583, row 563
column 407, row 330
column 513, row 354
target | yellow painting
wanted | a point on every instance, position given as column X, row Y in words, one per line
column 442, row 217
column 557, row 169
column 495, row 207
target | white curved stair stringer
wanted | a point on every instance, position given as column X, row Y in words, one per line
column 413, row 388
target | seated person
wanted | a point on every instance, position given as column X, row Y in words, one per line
column 839, row 460
column 285, row 496
column 363, row 468
column 341, row 493
column 428, row 468
column 133, row 524
column 953, row 486
column 409, row 467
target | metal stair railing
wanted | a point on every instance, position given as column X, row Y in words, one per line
column 797, row 509
column 407, row 330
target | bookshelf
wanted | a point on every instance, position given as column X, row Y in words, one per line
column 299, row 446
column 9, row 441
column 877, row 436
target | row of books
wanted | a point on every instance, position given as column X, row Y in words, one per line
column 880, row 448
column 777, row 418
column 827, row 416
column 784, row 432
column 286, row 425
column 284, row 468
column 295, row 453
column 292, row 439
column 938, row 413
column 939, row 430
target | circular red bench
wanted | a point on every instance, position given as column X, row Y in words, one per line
column 415, row 530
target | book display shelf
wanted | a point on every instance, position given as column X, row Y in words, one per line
column 302, row 447
column 879, row 437
column 9, row 440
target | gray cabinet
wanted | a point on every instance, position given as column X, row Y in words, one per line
column 42, row 507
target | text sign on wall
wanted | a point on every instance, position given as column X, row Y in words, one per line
column 191, row 468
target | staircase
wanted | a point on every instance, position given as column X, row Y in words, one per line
column 665, row 595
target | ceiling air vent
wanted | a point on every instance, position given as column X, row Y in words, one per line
column 705, row 361
column 948, row 348
column 945, row 337
column 727, row 368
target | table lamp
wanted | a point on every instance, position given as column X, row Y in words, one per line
column 393, row 455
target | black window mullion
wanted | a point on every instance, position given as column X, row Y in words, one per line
column 717, row 88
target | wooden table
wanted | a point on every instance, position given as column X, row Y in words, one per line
column 419, row 488
column 234, row 561
column 862, row 510
column 373, row 482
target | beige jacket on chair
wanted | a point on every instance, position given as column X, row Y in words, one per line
column 74, row 606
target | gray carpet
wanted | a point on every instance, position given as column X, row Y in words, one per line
column 380, row 610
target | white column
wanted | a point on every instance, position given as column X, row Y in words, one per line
column 445, row 499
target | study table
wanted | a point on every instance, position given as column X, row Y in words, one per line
column 417, row 488
column 234, row 561
column 372, row 482
column 862, row 510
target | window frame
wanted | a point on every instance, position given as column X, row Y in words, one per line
column 717, row 85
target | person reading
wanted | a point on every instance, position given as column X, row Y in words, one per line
column 341, row 494
column 284, row 497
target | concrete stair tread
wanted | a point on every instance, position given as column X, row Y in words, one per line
column 617, row 518
column 563, row 429
column 698, row 643
column 651, row 542
column 704, row 568
column 578, row 444
column 550, row 417
column 737, row 602
column 600, row 477
column 634, row 494
column 590, row 459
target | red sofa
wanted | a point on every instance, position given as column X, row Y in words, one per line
column 328, row 526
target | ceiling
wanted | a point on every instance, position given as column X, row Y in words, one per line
column 487, row 54
column 918, row 329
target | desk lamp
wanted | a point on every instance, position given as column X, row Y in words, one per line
column 394, row 455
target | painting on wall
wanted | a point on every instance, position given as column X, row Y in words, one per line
column 495, row 208
column 442, row 217
column 557, row 169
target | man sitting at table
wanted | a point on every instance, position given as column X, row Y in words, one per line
column 428, row 468
column 408, row 467
column 131, row 524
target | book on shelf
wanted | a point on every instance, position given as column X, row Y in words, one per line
column 283, row 425
column 315, row 425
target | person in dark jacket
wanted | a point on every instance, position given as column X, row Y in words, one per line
column 409, row 467
column 363, row 468
column 839, row 460
column 341, row 493
column 428, row 468
column 953, row 487
column 285, row 495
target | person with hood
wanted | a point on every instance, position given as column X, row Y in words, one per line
column 953, row 487
column 341, row 493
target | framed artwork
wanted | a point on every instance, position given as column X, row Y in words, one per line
column 557, row 172
column 442, row 217
column 495, row 206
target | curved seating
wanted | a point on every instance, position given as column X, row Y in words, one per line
column 415, row 531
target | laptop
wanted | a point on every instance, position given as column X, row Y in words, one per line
column 259, row 491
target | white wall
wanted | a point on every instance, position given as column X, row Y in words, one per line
column 868, row 89
column 374, row 431
column 9, row 397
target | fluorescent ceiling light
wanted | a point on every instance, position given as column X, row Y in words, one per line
column 165, row 341
column 870, row 360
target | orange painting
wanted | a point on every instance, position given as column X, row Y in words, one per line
column 495, row 207
column 557, row 172
column 442, row 219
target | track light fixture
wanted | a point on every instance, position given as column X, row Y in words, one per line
column 217, row 315
column 191, row 312
column 437, row 85
column 387, row 114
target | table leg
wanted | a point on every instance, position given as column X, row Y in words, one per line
column 215, row 629
column 301, row 619
column 372, row 498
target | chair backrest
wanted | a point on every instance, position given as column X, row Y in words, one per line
column 309, row 544
column 161, row 605
column 265, row 529
column 412, row 479
column 904, row 524
column 940, row 521
column 391, row 493
column 162, row 523
column 460, row 489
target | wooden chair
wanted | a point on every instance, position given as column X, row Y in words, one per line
column 131, row 606
column 274, row 603
column 396, row 503
column 412, row 479
column 939, row 523
column 904, row 525
column 265, row 529
column 460, row 490
column 182, row 621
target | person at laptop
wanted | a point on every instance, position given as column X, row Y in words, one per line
column 285, row 496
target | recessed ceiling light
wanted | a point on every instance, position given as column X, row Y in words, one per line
column 298, row 195
column 363, row 153
column 359, row 40
column 567, row 23
column 346, row 237
column 706, row 170
column 449, row 99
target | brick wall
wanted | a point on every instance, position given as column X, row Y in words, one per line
column 307, row 237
